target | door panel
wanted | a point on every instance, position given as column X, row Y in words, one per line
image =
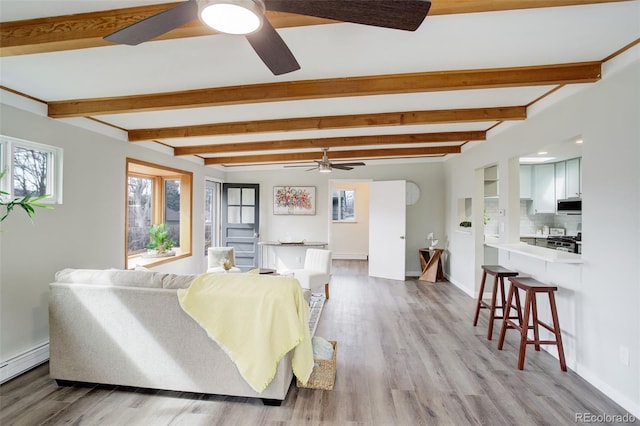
column 240, row 222
column 387, row 222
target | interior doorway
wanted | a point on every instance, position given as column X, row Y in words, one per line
column 349, row 218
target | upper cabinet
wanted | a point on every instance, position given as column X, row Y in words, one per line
column 491, row 181
column 544, row 189
column 561, row 180
column 568, row 179
column 525, row 181
column 573, row 178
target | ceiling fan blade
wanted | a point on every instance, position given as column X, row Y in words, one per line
column 349, row 164
column 272, row 49
column 155, row 25
column 341, row 167
column 397, row 14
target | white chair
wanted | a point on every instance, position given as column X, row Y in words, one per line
column 216, row 256
column 316, row 272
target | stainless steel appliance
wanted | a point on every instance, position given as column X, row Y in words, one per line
column 571, row 206
column 564, row 243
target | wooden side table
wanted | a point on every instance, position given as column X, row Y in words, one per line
column 431, row 265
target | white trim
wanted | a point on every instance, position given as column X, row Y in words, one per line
column 54, row 170
column 460, row 286
column 24, row 362
column 624, row 401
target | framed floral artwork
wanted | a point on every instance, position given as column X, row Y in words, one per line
column 294, row 200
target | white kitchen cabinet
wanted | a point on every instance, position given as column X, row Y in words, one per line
column 561, row 182
column 544, row 189
column 525, row 181
column 573, row 176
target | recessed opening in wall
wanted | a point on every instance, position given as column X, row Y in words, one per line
column 549, row 176
column 464, row 214
column 490, row 211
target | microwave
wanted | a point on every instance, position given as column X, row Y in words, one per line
column 569, row 206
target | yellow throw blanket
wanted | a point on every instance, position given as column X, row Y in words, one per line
column 256, row 319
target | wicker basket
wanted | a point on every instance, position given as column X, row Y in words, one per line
column 323, row 375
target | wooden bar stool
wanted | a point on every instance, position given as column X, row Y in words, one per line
column 531, row 288
column 499, row 273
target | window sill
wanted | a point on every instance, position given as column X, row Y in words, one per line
column 147, row 262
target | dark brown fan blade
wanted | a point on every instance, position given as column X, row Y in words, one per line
column 398, row 14
column 348, row 164
column 272, row 49
column 341, row 167
column 155, row 25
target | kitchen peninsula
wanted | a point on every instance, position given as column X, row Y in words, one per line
column 536, row 252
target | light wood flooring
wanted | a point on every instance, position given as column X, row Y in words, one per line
column 407, row 355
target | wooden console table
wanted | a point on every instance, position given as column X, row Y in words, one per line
column 431, row 264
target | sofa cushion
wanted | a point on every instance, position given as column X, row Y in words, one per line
column 177, row 281
column 115, row 277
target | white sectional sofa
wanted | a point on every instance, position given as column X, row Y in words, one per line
column 127, row 328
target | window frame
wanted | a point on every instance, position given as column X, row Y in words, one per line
column 159, row 174
column 54, row 167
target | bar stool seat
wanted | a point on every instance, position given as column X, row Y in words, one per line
column 532, row 288
column 499, row 273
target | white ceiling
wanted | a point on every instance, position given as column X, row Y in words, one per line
column 515, row 38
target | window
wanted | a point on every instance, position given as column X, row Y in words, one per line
column 157, row 195
column 343, row 205
column 32, row 168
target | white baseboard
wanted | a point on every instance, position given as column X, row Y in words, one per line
column 350, row 256
column 26, row 361
column 624, row 401
column 460, row 286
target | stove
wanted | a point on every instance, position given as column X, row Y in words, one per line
column 564, row 243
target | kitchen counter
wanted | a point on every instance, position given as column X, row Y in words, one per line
column 536, row 252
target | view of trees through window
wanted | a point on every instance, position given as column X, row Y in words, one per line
column 140, row 212
column 157, row 195
column 30, row 171
column 172, row 208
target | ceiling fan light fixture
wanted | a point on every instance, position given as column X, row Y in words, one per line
column 324, row 168
column 232, row 16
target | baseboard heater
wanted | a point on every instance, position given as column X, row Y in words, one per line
column 24, row 362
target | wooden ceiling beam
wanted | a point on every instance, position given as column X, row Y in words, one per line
column 333, row 155
column 333, row 122
column 336, row 142
column 85, row 30
column 586, row 72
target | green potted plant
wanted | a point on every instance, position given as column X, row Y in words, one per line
column 27, row 203
column 159, row 241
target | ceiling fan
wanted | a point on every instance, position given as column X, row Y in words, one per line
column 247, row 17
column 325, row 166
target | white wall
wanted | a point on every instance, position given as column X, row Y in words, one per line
column 86, row 231
column 427, row 215
column 350, row 240
column 599, row 300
